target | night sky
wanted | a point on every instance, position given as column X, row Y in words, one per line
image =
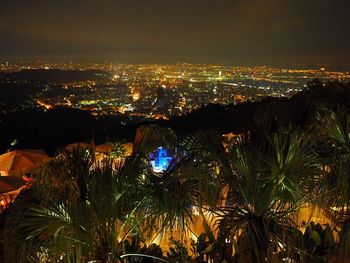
column 238, row 32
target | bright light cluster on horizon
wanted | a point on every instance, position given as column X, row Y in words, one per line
column 152, row 91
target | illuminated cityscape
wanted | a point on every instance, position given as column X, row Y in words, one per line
column 159, row 91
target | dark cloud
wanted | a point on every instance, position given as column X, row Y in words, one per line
column 166, row 31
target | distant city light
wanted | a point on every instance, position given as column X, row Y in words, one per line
column 144, row 92
column 14, row 142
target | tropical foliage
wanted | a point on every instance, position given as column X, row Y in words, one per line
column 246, row 193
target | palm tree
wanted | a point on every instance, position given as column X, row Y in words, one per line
column 335, row 127
column 79, row 211
column 175, row 194
column 336, row 136
column 85, row 211
column 266, row 186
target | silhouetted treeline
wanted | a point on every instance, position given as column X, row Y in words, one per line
column 268, row 114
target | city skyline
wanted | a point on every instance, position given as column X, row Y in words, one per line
column 235, row 32
column 143, row 92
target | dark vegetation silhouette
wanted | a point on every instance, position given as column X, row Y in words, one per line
column 79, row 211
